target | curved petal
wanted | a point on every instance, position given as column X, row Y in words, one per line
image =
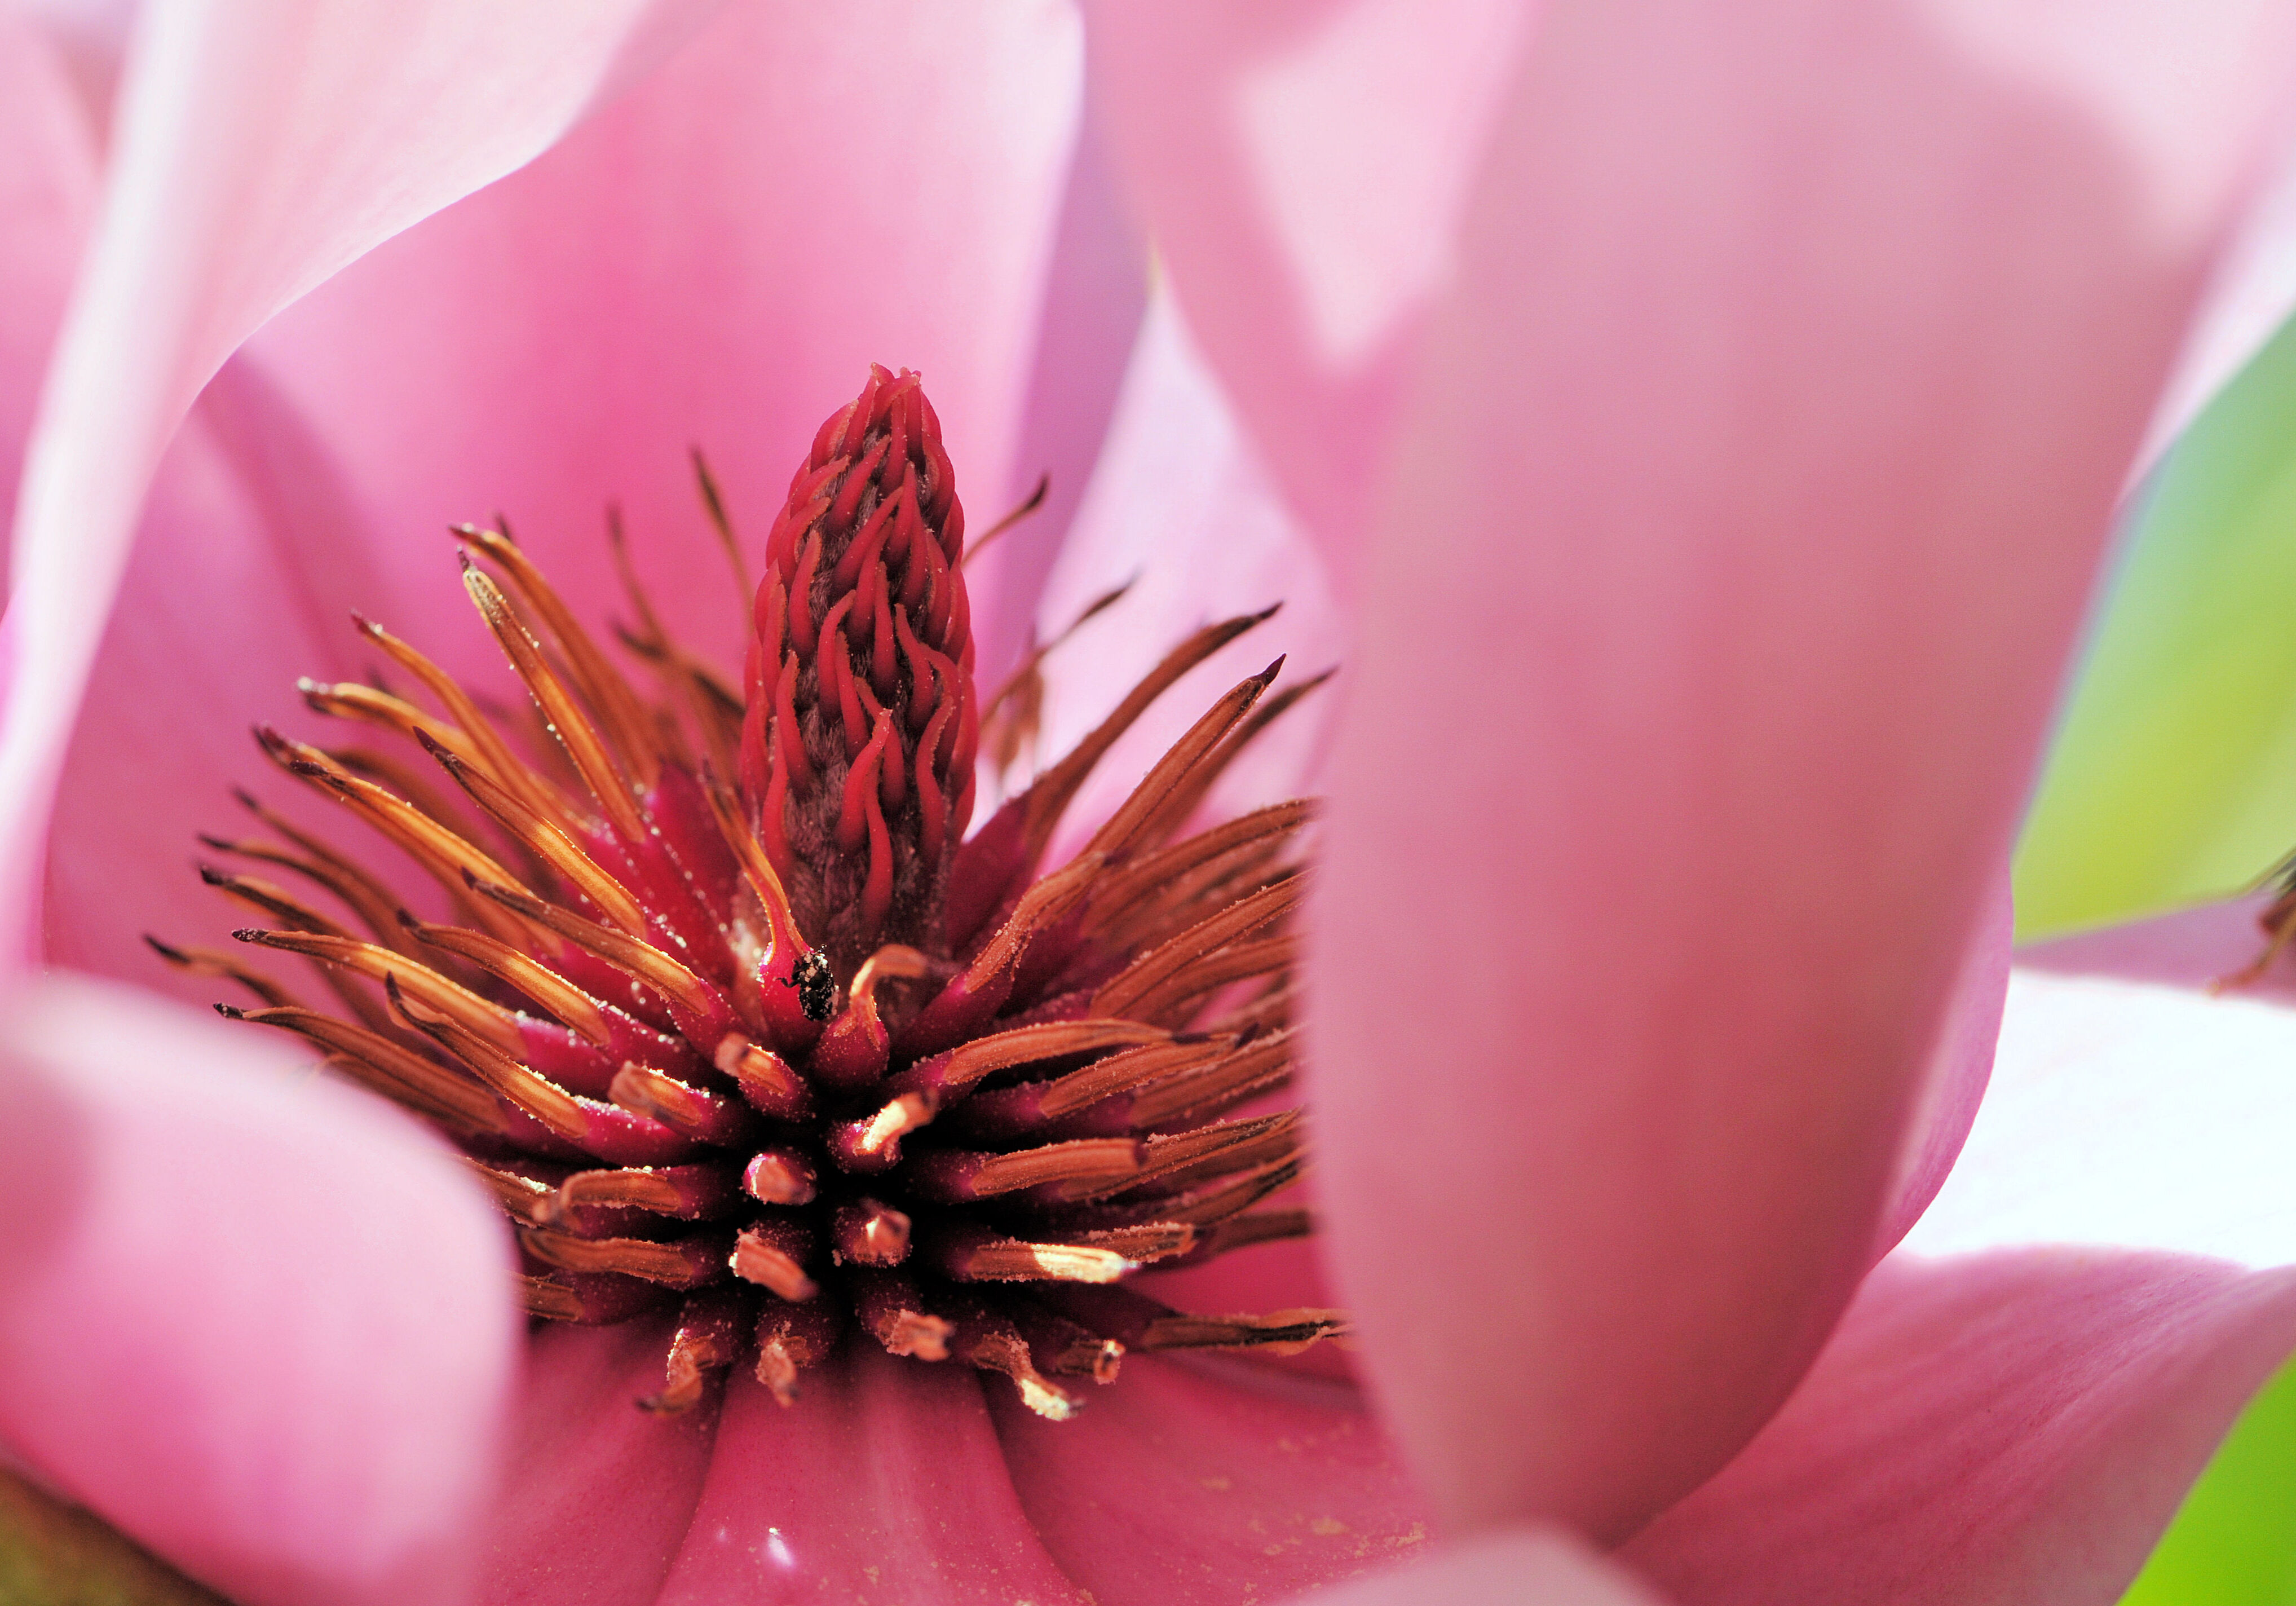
column 1211, row 1480
column 1961, row 1065
column 1303, row 167
column 2193, row 949
column 713, row 262
column 599, row 1493
column 1095, row 294
column 2249, row 297
column 1740, row 530
column 2036, row 1414
column 47, row 194
column 2003, row 1427
column 259, row 148
column 1181, row 509
column 257, row 1319
column 883, row 1481
column 1504, row 1569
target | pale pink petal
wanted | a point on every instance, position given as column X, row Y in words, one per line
column 884, row 1482
column 1302, row 167
column 713, row 262
column 2250, row 296
column 257, row 1319
column 1181, row 507
column 90, row 38
column 47, row 192
column 2007, row 1427
column 598, row 1494
column 2191, row 948
column 259, row 148
column 1193, row 1483
column 1513, row 1568
column 2012, row 1423
column 1095, row 292
column 1738, row 537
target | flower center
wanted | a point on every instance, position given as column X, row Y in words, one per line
column 726, row 1008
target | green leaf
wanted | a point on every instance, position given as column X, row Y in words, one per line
column 2234, row 1542
column 2173, row 780
column 54, row 1555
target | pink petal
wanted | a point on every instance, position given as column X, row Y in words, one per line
column 712, row 262
column 1095, row 293
column 1209, row 1482
column 599, row 1493
column 884, row 1482
column 2036, row 1414
column 1500, row 1570
column 257, row 1319
column 2190, row 949
column 47, row 191
column 1303, row 167
column 259, row 147
column 2250, row 296
column 2009, row 1427
column 1739, row 536
column 1181, row 506
column 1961, row 1065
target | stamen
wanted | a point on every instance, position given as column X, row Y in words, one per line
column 689, row 1192
column 683, row 1262
column 694, row 1113
column 887, row 1306
column 773, row 1255
column 1140, row 979
column 565, row 716
column 629, row 954
column 215, row 961
column 575, row 1008
column 952, row 1176
column 990, row 1342
column 366, row 896
column 494, row 753
column 976, row 1255
column 869, row 1232
column 708, row 1339
column 781, row 1176
column 626, row 725
column 433, row 991
column 548, row 843
column 791, row 1338
column 393, row 1071
column 1029, row 504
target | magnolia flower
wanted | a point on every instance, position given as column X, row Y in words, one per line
column 1699, row 427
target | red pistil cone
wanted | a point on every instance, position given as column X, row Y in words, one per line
column 858, row 738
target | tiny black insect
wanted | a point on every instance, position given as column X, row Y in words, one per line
column 817, row 988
